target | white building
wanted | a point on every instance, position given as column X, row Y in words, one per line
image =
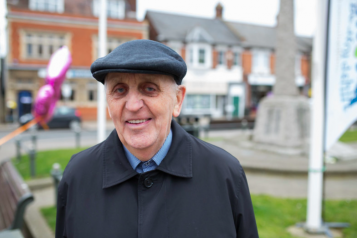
column 212, row 53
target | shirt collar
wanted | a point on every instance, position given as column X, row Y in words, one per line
column 178, row 162
column 157, row 158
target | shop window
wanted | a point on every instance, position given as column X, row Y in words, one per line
column 115, row 8
column 42, row 45
column 47, row 5
column 198, row 101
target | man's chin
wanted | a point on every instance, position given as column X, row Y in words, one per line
column 140, row 143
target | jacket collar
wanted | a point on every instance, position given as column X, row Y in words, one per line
column 178, row 161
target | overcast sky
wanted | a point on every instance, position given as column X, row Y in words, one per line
column 262, row 12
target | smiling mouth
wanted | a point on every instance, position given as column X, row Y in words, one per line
column 138, row 121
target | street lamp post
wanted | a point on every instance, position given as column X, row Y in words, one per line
column 101, row 113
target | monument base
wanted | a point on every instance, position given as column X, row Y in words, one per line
column 283, row 124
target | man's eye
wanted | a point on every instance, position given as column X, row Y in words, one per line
column 120, row 90
column 150, row 89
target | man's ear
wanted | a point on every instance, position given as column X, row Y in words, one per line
column 180, row 96
column 110, row 115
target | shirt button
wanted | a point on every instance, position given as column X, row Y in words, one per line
column 148, row 182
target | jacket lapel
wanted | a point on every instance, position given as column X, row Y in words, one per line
column 178, row 161
column 116, row 167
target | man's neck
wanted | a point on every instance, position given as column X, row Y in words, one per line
column 147, row 153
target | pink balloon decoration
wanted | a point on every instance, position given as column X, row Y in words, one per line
column 49, row 94
column 43, row 101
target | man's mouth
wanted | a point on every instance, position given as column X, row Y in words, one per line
column 139, row 121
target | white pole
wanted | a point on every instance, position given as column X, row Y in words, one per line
column 315, row 179
column 101, row 105
column 3, row 25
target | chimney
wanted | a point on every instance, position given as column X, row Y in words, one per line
column 131, row 9
column 219, row 11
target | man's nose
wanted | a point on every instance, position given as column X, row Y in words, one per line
column 134, row 102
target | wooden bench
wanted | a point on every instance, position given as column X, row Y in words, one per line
column 14, row 197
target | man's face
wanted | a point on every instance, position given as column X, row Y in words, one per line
column 141, row 107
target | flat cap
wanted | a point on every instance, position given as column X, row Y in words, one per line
column 141, row 56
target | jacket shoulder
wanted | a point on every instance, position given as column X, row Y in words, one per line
column 81, row 161
column 214, row 155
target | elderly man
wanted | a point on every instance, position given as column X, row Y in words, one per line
column 150, row 178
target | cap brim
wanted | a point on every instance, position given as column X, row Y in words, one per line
column 101, row 74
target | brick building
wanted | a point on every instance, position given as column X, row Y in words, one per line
column 36, row 28
column 230, row 65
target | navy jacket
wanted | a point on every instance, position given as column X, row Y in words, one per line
column 198, row 190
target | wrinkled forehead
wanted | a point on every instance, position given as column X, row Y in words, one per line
column 135, row 78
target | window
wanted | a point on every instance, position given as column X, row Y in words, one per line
column 92, row 95
column 221, row 59
column 71, row 98
column 42, row 45
column 261, row 62
column 112, row 43
column 47, row 5
column 176, row 49
column 201, row 56
column 198, row 101
column 191, row 56
column 115, row 8
column 92, row 91
column 236, row 59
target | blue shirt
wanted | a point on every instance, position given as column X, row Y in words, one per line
column 142, row 167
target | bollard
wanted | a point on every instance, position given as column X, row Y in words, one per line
column 32, row 154
column 34, row 141
column 78, row 134
column 244, row 124
column 57, row 176
column 18, row 149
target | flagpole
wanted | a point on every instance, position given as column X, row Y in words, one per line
column 101, row 105
column 314, row 222
column 315, row 202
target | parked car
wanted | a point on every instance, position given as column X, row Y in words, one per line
column 63, row 117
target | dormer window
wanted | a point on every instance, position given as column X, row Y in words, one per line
column 47, row 5
column 199, row 48
column 201, row 56
column 221, row 59
column 236, row 59
column 115, row 8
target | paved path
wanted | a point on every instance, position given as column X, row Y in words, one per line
column 286, row 175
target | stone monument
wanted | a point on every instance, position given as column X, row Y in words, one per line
column 282, row 123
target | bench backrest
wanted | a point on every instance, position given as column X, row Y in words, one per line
column 14, row 197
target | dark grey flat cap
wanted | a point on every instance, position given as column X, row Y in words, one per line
column 141, row 56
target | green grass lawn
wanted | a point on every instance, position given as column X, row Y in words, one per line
column 349, row 136
column 274, row 215
column 44, row 162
